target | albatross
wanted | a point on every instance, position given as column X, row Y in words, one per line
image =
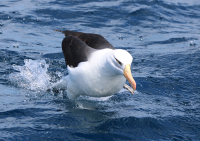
column 95, row 67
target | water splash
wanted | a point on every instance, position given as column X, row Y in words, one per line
column 33, row 75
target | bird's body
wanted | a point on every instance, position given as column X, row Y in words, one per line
column 91, row 78
column 93, row 71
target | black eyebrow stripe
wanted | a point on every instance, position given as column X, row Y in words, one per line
column 118, row 61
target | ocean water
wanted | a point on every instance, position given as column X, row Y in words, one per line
column 163, row 36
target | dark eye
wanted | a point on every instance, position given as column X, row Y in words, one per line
column 118, row 61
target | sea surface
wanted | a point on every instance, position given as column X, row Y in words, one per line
column 163, row 36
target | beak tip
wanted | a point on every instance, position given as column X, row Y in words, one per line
column 134, row 87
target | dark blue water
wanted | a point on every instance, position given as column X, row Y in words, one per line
column 163, row 36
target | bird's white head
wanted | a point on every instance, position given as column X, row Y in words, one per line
column 120, row 61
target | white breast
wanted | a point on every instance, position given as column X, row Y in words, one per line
column 92, row 78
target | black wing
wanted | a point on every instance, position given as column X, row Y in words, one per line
column 75, row 51
column 95, row 41
column 78, row 46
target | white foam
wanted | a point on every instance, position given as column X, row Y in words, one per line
column 33, row 75
column 95, row 98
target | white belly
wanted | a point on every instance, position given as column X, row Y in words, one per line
column 83, row 81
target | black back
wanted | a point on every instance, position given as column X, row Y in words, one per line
column 95, row 41
column 78, row 46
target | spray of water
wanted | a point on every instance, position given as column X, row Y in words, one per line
column 33, row 75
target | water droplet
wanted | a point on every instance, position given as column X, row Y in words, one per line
column 192, row 43
column 16, row 45
column 141, row 38
column 121, row 38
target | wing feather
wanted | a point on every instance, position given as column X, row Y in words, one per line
column 95, row 41
column 77, row 46
column 75, row 51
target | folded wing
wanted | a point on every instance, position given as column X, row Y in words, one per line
column 78, row 46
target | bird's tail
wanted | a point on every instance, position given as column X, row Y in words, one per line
column 59, row 30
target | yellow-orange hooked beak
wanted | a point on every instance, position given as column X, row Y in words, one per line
column 129, row 77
